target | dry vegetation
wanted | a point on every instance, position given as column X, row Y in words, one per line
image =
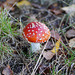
column 15, row 55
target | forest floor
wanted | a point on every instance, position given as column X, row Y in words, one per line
column 15, row 55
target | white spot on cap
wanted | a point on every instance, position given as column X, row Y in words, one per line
column 43, row 35
column 40, row 39
column 36, row 23
column 37, row 37
column 23, row 34
column 33, row 33
column 48, row 29
column 46, row 32
column 27, row 27
column 41, row 31
column 28, row 30
column 39, row 34
column 44, row 28
column 42, row 24
column 33, row 25
column 40, row 27
column 36, row 31
column 29, row 33
column 32, row 30
column 39, row 22
column 30, row 25
column 37, row 26
column 28, row 36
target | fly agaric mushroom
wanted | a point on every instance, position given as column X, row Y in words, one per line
column 36, row 33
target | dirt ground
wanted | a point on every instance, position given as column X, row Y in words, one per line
column 21, row 60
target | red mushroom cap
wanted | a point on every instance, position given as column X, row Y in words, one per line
column 36, row 32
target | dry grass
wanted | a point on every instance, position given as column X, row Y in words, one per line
column 14, row 49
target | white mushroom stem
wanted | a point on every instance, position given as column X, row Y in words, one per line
column 35, row 47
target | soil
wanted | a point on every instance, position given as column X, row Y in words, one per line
column 22, row 61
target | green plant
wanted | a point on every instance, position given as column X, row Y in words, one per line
column 6, row 32
column 5, row 25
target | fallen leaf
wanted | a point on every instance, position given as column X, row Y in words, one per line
column 70, row 9
column 55, row 35
column 44, row 69
column 54, row 8
column 56, row 11
column 24, row 2
column 70, row 33
column 48, row 54
column 72, row 43
column 7, row 71
column 56, row 47
column 49, row 45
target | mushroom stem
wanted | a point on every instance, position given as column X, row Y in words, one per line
column 35, row 47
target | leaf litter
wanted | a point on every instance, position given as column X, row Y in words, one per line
column 7, row 71
column 51, row 21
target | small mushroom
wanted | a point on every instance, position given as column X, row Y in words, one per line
column 36, row 33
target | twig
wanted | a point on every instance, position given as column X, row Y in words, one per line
column 39, row 63
column 36, row 66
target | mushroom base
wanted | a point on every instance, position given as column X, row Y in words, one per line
column 35, row 47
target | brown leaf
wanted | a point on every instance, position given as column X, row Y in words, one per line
column 72, row 43
column 48, row 54
column 70, row 33
column 54, row 8
column 55, row 35
column 49, row 45
column 56, row 11
column 44, row 69
column 7, row 71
